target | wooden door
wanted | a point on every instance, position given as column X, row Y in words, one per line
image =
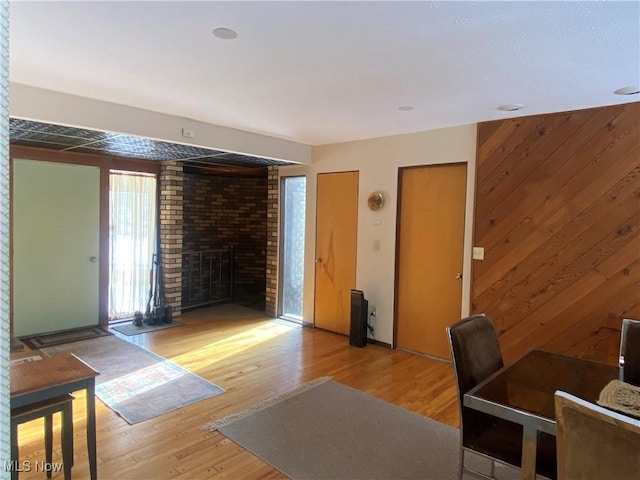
column 336, row 236
column 430, row 251
column 56, row 245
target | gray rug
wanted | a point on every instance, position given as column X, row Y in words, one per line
column 136, row 383
column 325, row 430
column 130, row 329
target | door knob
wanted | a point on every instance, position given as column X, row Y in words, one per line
column 459, row 276
column 318, row 260
column 93, row 259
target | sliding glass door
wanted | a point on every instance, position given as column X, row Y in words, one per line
column 292, row 242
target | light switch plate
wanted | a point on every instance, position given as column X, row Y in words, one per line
column 478, row 253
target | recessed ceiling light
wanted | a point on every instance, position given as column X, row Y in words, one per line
column 405, row 108
column 511, row 107
column 225, row 33
column 630, row 90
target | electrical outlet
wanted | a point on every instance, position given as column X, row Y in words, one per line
column 188, row 133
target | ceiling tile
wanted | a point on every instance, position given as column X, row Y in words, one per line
column 79, row 140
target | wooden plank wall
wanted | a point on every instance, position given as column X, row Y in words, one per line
column 558, row 213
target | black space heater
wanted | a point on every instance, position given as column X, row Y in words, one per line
column 359, row 311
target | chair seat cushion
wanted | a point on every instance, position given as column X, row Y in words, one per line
column 503, row 440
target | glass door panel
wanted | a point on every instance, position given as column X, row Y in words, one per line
column 292, row 242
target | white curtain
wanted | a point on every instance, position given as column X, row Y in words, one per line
column 132, row 241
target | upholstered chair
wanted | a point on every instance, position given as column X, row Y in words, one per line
column 476, row 355
column 630, row 352
column 595, row 443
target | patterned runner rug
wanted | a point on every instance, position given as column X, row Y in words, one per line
column 136, row 383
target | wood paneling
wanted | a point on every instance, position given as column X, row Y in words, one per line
column 558, row 213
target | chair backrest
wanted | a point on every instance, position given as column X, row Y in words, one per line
column 594, row 442
column 630, row 352
column 475, row 353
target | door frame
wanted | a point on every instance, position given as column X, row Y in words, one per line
column 105, row 163
column 279, row 301
column 397, row 242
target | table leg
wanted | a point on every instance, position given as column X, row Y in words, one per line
column 91, row 428
column 48, row 441
column 14, row 450
column 529, row 452
column 67, row 440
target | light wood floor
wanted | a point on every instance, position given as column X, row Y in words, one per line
column 252, row 358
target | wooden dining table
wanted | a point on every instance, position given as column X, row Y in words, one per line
column 38, row 380
column 523, row 392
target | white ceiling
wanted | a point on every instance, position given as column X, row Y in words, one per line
column 326, row 72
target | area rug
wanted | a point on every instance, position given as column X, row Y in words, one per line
column 136, row 383
column 48, row 340
column 326, row 430
column 130, row 329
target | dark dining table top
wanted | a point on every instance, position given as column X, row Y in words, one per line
column 529, row 383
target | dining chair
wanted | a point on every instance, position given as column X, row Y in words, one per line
column 45, row 409
column 595, row 443
column 630, row 352
column 476, row 355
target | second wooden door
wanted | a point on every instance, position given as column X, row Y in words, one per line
column 336, row 236
column 430, row 251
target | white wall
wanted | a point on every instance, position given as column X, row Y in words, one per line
column 378, row 161
column 47, row 106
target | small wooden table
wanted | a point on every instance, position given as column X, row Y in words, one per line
column 39, row 380
column 523, row 392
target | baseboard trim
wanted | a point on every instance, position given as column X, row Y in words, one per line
column 379, row 343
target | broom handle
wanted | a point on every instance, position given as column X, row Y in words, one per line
column 150, row 289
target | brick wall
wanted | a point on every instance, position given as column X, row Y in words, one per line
column 171, row 216
column 271, row 304
column 223, row 211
